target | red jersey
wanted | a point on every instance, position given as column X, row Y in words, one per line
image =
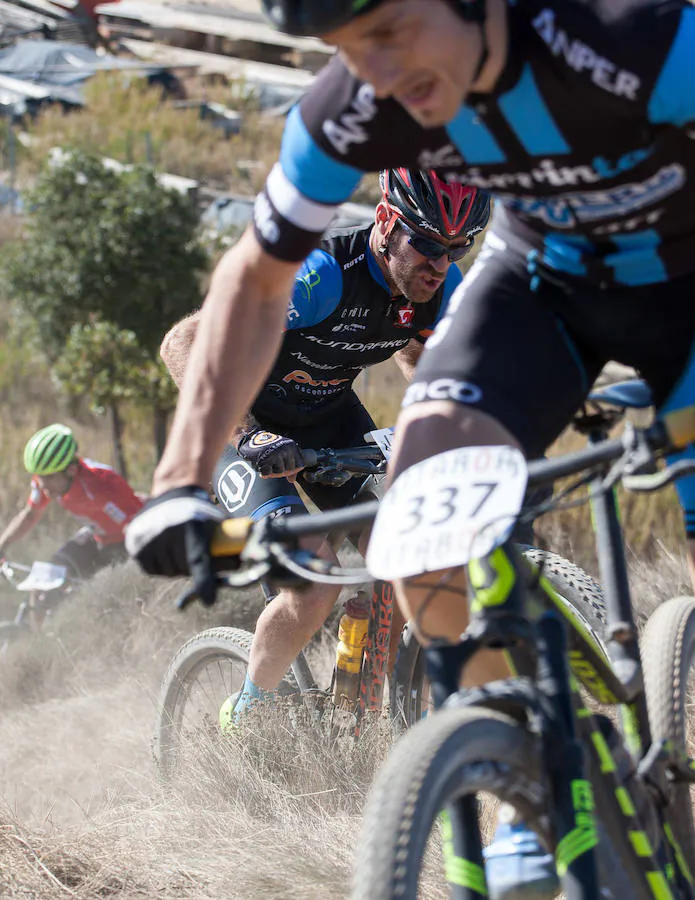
column 99, row 495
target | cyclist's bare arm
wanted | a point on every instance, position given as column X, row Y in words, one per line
column 21, row 525
column 406, row 359
column 238, row 337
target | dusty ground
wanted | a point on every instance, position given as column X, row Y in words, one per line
column 82, row 812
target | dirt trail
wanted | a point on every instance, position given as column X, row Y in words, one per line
column 82, row 813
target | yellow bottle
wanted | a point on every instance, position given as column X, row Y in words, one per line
column 352, row 636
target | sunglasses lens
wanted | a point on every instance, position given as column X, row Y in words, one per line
column 428, row 248
column 433, row 249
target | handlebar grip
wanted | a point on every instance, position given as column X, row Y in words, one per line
column 230, row 537
column 310, row 458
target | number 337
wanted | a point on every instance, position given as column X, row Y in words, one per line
column 442, row 505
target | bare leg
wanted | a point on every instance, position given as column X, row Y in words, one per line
column 287, row 625
column 425, row 429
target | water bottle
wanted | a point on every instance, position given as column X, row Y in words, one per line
column 352, row 636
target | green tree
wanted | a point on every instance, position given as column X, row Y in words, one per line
column 107, row 256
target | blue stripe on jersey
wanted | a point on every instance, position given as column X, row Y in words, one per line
column 318, row 290
column 525, row 110
column 673, row 98
column 473, row 139
column 375, row 271
column 564, row 253
column 313, row 172
column 454, row 277
column 682, row 396
column 637, row 260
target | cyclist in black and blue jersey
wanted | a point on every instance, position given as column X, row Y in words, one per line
column 366, row 294
column 579, row 115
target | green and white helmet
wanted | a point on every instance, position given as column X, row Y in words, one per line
column 50, row 450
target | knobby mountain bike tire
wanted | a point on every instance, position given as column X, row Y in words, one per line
column 668, row 659
column 580, row 590
column 455, row 753
column 217, row 651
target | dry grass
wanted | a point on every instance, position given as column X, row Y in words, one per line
column 132, row 124
column 272, row 812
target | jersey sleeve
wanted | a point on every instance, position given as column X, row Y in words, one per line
column 453, row 280
column 337, row 132
column 37, row 498
column 673, row 99
column 318, row 289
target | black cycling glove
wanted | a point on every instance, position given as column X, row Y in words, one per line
column 270, row 454
column 171, row 536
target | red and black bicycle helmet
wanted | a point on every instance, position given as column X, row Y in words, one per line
column 316, row 17
column 428, row 203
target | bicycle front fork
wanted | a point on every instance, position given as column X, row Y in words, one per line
column 545, row 704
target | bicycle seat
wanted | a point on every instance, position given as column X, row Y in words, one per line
column 633, row 394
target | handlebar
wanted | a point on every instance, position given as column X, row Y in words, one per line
column 269, row 547
column 334, row 467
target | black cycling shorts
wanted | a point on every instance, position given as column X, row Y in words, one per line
column 242, row 491
column 529, row 357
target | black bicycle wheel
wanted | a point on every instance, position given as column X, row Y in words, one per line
column 668, row 658
column 409, row 690
column 452, row 754
column 205, row 671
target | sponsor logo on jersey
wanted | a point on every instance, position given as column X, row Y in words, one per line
column 310, row 362
column 357, row 347
column 441, row 158
column 114, row 513
column 263, row 218
column 443, row 389
column 355, row 312
column 405, row 316
column 348, row 129
column 353, row 262
column 292, row 312
column 624, row 200
column 308, row 282
column 347, row 327
column 277, row 390
column 300, row 377
column 549, row 173
column 234, row 485
column 582, row 58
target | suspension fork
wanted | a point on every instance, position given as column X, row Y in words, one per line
column 621, row 633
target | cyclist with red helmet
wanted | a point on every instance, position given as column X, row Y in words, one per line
column 89, row 490
column 366, row 294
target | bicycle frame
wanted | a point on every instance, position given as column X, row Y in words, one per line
column 551, row 652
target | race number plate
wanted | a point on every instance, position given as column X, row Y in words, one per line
column 383, row 438
column 447, row 509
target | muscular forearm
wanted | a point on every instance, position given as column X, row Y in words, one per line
column 237, row 340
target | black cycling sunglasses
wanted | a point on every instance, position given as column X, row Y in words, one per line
column 434, row 249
